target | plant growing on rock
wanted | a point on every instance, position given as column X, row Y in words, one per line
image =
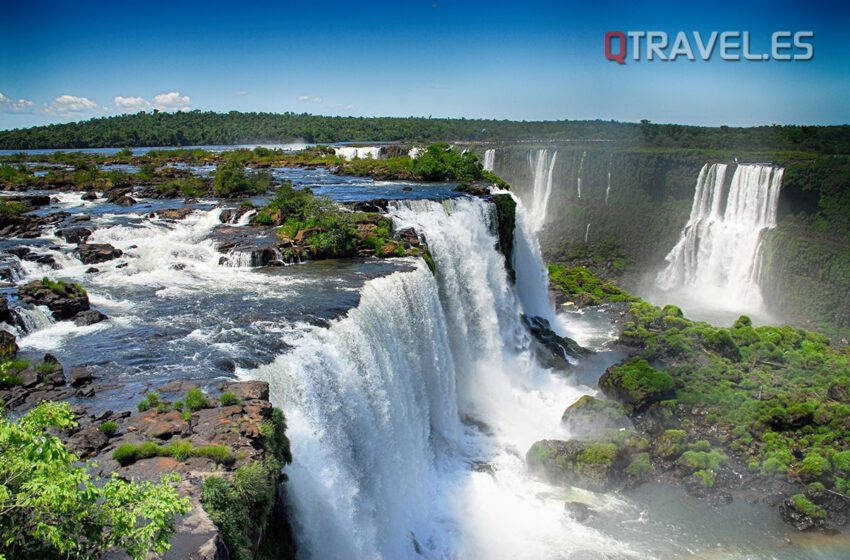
column 51, row 506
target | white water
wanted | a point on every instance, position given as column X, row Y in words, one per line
column 415, row 152
column 542, row 165
column 580, row 173
column 608, row 183
column 376, row 402
column 532, row 277
column 719, row 254
column 489, row 159
column 358, row 152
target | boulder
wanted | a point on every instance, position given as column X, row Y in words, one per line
column 636, row 385
column 8, row 345
column 592, row 418
column 172, row 213
column 247, row 390
column 579, row 511
column 599, row 467
column 125, row 201
column 802, row 514
column 74, row 234
column 554, row 351
column 93, row 253
column 80, row 376
column 65, row 301
column 87, row 441
column 91, row 195
column 89, row 317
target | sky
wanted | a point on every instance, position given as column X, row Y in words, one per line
column 528, row 60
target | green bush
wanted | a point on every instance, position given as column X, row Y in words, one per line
column 229, row 399
column 109, row 428
column 231, row 180
column 196, row 400
column 150, row 400
column 129, row 453
column 61, row 510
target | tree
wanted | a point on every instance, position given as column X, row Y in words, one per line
column 52, row 507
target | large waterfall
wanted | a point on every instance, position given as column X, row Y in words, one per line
column 489, row 159
column 410, row 417
column 718, row 256
column 542, row 163
column 358, row 152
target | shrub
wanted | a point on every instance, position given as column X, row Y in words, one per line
column 814, row 465
column 149, row 401
column 228, row 399
column 231, row 180
column 196, row 400
column 61, row 510
column 109, row 428
column 129, row 453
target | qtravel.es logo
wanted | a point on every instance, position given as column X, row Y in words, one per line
column 637, row 46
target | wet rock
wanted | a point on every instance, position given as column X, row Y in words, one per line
column 19, row 252
column 172, row 213
column 125, row 201
column 74, row 234
column 86, row 392
column 599, row 467
column 8, row 345
column 579, row 511
column 81, row 218
column 93, row 253
column 407, row 236
column 64, row 303
column 91, row 195
column 48, row 260
column 592, row 418
column 232, row 215
column 29, row 378
column 89, row 317
column 379, row 205
column 80, row 376
column 799, row 512
column 553, row 350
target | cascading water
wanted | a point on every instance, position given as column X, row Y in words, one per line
column 358, row 152
column 542, row 165
column 385, row 411
column 489, row 159
column 719, row 253
column 608, row 181
column 580, row 173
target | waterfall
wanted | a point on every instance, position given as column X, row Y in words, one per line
column 385, row 408
column 489, row 159
column 608, row 183
column 532, row 277
column 719, row 253
column 358, row 152
column 580, row 172
column 586, row 233
column 542, row 165
column 32, row 319
column 415, row 152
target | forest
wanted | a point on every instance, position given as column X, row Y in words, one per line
column 196, row 128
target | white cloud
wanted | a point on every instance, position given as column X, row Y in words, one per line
column 172, row 101
column 14, row 106
column 72, row 106
column 131, row 104
column 303, row 98
column 313, row 99
column 242, row 92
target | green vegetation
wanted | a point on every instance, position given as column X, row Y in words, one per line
column 11, row 208
column 9, row 372
column 58, row 287
column 196, row 400
column 109, row 428
column 197, row 128
column 52, row 507
column 804, row 505
column 580, row 284
column 150, row 400
column 231, row 180
column 229, row 399
column 129, row 453
column 242, row 505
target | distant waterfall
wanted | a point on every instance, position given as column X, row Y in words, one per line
column 489, row 159
column 358, row 152
column 580, row 173
column 719, row 253
column 542, row 164
column 383, row 408
column 608, row 183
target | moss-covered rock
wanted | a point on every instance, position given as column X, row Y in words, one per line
column 592, row 418
column 636, row 384
column 599, row 467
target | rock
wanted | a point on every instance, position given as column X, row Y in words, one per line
column 599, row 467
column 177, row 386
column 87, row 441
column 125, row 201
column 81, row 218
column 8, row 345
column 29, row 378
column 172, row 213
column 74, row 234
column 163, row 425
column 590, row 418
column 86, row 392
column 89, row 317
column 247, row 390
column 92, row 270
column 80, row 376
column 407, row 236
column 802, row 514
column 91, row 195
column 579, row 511
column 379, row 205
column 93, row 253
column 636, row 385
column 232, row 215
column 65, row 302
column 553, row 350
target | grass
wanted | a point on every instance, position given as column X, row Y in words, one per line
column 109, row 428
column 229, row 399
column 129, row 453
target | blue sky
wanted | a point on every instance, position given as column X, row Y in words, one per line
column 509, row 60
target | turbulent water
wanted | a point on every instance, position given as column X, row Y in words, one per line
column 718, row 257
column 358, row 152
column 410, row 417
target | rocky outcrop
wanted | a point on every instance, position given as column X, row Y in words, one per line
column 75, row 235
column 590, row 418
column 65, row 300
column 553, row 351
column 636, row 384
column 28, row 226
column 599, row 467
column 506, row 215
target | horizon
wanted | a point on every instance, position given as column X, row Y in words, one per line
column 541, row 61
